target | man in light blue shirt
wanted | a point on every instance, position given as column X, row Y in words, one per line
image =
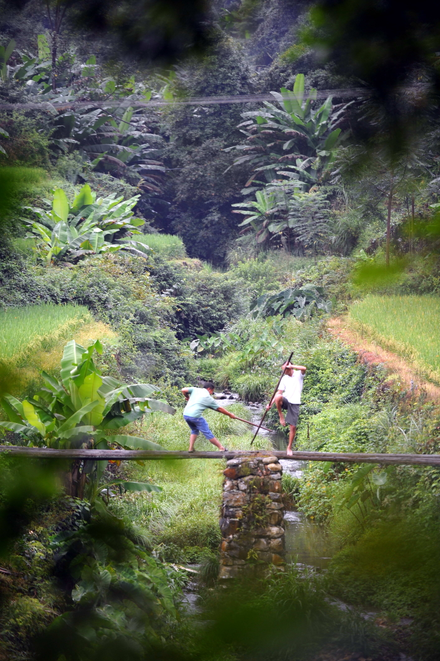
column 198, row 400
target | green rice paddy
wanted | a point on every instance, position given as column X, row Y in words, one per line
column 407, row 325
column 37, row 326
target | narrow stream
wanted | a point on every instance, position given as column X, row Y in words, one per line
column 307, row 543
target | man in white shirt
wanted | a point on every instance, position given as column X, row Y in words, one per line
column 289, row 397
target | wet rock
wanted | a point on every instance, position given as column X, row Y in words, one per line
column 229, row 572
column 261, row 544
column 230, row 527
column 270, row 460
column 277, row 545
column 276, row 476
column 275, row 506
column 275, row 518
column 232, row 512
column 234, row 498
column 276, row 531
column 238, row 552
column 274, row 467
column 277, row 559
column 264, row 556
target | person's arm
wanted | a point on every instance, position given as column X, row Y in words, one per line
column 185, row 393
column 295, row 367
column 226, row 412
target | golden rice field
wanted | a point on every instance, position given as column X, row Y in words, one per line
column 37, row 326
column 32, row 339
column 407, row 325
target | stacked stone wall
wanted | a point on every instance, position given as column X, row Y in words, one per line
column 252, row 516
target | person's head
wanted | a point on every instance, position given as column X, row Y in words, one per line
column 288, row 369
column 209, row 386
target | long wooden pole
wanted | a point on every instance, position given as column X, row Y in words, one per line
column 121, row 455
column 260, row 426
column 271, row 399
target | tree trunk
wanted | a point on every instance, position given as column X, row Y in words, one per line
column 54, row 59
column 411, row 247
column 390, row 203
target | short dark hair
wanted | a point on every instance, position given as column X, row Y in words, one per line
column 209, row 385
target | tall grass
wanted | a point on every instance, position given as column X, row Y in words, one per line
column 166, row 245
column 34, row 327
column 186, row 512
column 407, row 325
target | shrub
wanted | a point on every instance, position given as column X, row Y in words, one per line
column 119, row 291
column 27, row 143
column 207, row 303
column 167, row 245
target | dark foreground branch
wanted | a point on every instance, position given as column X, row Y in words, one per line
column 124, row 455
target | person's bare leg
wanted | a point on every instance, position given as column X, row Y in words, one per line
column 217, row 443
column 192, row 440
column 278, row 403
column 292, row 433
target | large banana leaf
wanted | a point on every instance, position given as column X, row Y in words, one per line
column 76, row 418
column 13, row 408
column 157, row 405
column 84, row 198
column 115, row 422
column 89, row 392
column 33, row 418
column 72, row 356
column 109, row 384
column 15, row 427
column 83, row 429
column 60, row 204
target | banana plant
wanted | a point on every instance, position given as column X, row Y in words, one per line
column 83, row 408
column 3, row 134
column 5, row 54
column 259, row 213
column 293, row 130
column 113, row 142
column 301, row 303
column 86, row 227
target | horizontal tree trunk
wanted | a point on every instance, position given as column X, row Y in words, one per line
column 124, row 455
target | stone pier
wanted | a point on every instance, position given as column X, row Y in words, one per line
column 252, row 516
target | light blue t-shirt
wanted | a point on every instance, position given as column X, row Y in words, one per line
column 199, row 400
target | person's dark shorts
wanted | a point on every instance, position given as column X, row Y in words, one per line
column 198, row 425
column 292, row 412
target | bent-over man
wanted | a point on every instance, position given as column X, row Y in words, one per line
column 289, row 397
column 198, row 400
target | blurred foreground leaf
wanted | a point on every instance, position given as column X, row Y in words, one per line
column 13, row 182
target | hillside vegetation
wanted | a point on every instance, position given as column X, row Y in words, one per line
column 189, row 192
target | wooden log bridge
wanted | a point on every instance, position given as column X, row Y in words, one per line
column 124, row 455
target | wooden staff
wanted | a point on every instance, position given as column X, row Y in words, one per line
column 260, row 426
column 271, row 399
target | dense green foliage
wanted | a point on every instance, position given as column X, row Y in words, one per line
column 319, row 207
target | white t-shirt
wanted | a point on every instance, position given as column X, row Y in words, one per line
column 291, row 386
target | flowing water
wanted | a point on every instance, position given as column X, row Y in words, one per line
column 307, row 543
